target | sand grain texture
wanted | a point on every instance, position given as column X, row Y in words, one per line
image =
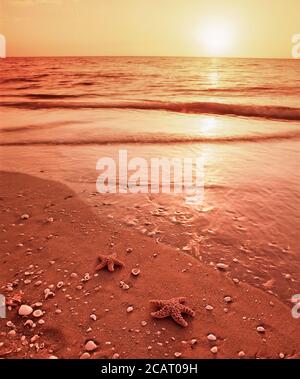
column 63, row 236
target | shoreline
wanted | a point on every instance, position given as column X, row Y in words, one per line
column 63, row 236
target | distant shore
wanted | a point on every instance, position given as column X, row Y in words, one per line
column 50, row 242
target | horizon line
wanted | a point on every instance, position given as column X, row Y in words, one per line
column 143, row 56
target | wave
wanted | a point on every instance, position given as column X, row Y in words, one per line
column 241, row 110
column 42, row 96
column 23, row 79
column 49, row 96
column 47, row 125
column 159, row 139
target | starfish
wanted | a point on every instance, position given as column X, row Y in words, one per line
column 110, row 261
column 173, row 308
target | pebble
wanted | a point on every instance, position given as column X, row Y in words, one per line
column 144, row 323
column 116, row 356
column 260, row 329
column 281, row 355
column 228, row 299
column 12, row 333
column 177, row 354
column 222, row 266
column 85, row 356
column 37, row 313
column 214, row 349
column 241, row 354
column 34, row 338
column 93, row 317
column 53, row 357
column 194, row 341
column 211, row 337
column 74, row 275
column 25, row 216
column 209, row 308
column 58, row 311
column 90, row 346
column 129, row 309
column 25, row 310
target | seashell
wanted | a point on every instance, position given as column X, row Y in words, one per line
column 222, row 266
column 86, row 277
column 25, row 310
column 260, row 329
column 135, row 271
column 123, row 285
column 38, row 313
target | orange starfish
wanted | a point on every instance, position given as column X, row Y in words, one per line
column 173, row 308
column 110, row 261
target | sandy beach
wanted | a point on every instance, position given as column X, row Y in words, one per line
column 149, row 185
column 50, row 243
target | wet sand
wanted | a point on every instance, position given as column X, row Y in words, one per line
column 59, row 244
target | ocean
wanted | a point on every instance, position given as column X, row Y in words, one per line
column 242, row 116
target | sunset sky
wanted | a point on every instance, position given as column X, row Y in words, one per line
column 244, row 28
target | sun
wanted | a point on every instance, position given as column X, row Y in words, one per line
column 216, row 38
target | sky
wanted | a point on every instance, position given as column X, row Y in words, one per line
column 238, row 28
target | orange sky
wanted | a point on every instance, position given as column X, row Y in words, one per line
column 250, row 28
